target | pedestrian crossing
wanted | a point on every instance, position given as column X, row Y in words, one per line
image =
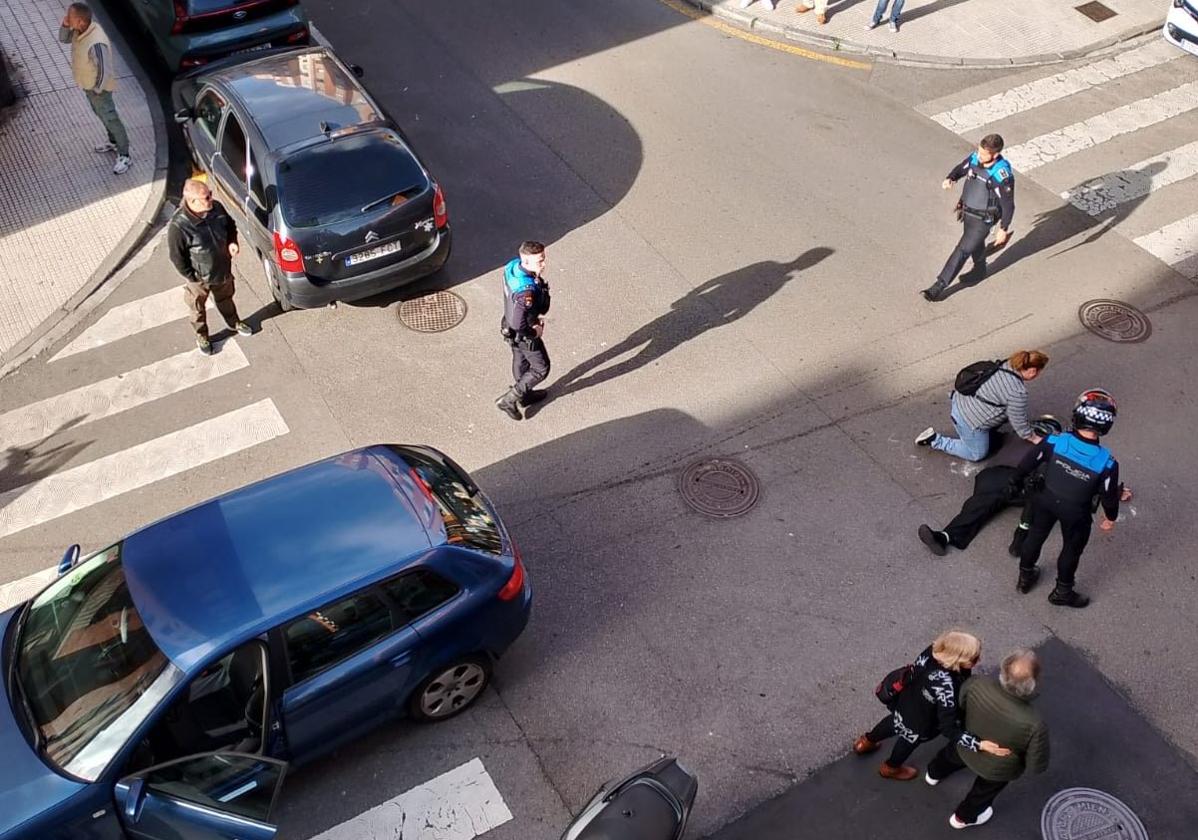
column 171, row 446
column 1112, row 137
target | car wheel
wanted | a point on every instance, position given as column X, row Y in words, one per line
column 451, row 690
column 272, row 283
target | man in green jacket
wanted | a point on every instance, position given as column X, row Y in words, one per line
column 1001, row 711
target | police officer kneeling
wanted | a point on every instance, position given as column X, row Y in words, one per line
column 1076, row 470
column 525, row 302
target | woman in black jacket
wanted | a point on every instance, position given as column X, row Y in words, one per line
column 927, row 706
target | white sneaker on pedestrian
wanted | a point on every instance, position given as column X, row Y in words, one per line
column 925, row 437
column 927, row 777
column 893, row 26
column 982, row 819
column 770, row 4
column 870, row 25
column 104, row 148
column 744, row 4
column 121, row 165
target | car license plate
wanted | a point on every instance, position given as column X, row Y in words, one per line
column 265, row 46
column 373, row 253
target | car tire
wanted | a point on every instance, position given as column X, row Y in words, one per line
column 450, row 690
column 272, row 283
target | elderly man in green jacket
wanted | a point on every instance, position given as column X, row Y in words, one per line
column 997, row 710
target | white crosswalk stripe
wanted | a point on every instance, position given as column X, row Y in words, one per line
column 1163, row 113
column 129, row 319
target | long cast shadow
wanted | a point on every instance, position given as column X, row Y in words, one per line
column 717, row 302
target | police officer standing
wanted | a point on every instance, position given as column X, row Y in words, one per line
column 988, row 197
column 1076, row 470
column 525, row 302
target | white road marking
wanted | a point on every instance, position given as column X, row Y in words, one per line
column 458, row 805
column 17, row 591
column 1175, row 244
column 129, row 319
column 70, row 490
column 1099, row 129
column 1136, row 181
column 122, row 392
column 1025, row 97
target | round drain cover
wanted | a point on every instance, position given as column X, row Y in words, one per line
column 1085, row 813
column 1115, row 320
column 437, row 312
column 719, row 488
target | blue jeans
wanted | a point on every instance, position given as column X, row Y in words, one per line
column 970, row 444
column 895, row 11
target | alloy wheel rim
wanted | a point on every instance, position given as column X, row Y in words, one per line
column 453, row 689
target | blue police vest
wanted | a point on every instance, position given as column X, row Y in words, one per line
column 982, row 182
column 1074, row 473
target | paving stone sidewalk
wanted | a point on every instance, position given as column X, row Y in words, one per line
column 65, row 218
column 956, row 32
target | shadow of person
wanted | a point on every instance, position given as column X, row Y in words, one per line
column 717, row 302
column 1096, row 206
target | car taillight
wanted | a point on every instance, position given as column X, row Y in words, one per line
column 189, row 63
column 515, row 583
column 440, row 214
column 296, row 37
column 181, row 17
column 287, row 254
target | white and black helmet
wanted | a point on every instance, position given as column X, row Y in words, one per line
column 1095, row 410
column 1046, row 425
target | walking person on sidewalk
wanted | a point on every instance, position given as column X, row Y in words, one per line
column 927, row 707
column 1000, row 397
column 1077, row 471
column 525, row 302
column 1000, row 709
column 95, row 72
column 896, row 9
column 987, row 198
column 202, row 240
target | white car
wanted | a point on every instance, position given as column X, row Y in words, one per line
column 1181, row 26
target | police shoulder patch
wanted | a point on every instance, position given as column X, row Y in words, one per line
column 525, row 299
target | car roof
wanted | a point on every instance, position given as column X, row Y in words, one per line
column 211, row 577
column 289, row 95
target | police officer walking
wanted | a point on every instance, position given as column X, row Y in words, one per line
column 1076, row 471
column 988, row 197
column 525, row 302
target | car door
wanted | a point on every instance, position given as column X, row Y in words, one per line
column 204, row 127
column 349, row 660
column 211, row 796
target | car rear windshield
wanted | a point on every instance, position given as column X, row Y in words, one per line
column 338, row 179
column 468, row 520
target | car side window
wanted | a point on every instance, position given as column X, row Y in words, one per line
column 208, row 110
column 335, row 631
column 256, row 188
column 238, row 784
column 418, row 592
column 233, row 147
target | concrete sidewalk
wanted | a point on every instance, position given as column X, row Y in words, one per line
column 66, row 221
column 973, row 33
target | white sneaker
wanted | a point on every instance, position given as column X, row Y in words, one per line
column 925, row 437
column 744, row 4
column 982, row 819
column 769, row 4
column 121, row 165
column 927, row 777
column 870, row 25
column 893, row 26
column 104, row 148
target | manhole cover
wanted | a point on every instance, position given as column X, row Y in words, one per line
column 1096, row 11
column 1087, row 814
column 437, row 312
column 719, row 488
column 1115, row 320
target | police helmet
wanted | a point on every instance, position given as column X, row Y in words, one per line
column 1046, row 425
column 1095, row 410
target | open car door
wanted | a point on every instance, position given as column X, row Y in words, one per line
column 211, row 796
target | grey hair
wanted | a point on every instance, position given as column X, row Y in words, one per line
column 83, row 11
column 1020, row 670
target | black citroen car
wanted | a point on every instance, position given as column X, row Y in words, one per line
column 323, row 184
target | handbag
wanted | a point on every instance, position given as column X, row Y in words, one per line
column 892, row 685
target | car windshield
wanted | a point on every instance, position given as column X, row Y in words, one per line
column 336, row 180
column 88, row 667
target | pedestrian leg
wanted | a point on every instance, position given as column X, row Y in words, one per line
column 536, row 367
column 896, row 11
column 970, row 445
column 1075, row 533
column 973, row 236
column 878, row 12
column 222, row 296
column 196, row 295
column 105, row 109
column 946, row 762
column 980, row 797
column 901, row 752
column 1043, row 518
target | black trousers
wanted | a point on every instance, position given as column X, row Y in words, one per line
column 991, row 495
column 1075, row 533
column 530, row 364
column 981, row 795
column 971, row 244
column 902, row 748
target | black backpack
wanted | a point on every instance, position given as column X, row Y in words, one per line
column 972, row 377
column 892, row 685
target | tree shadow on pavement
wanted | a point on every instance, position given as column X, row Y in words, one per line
column 717, row 302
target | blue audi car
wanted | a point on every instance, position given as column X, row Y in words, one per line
column 159, row 688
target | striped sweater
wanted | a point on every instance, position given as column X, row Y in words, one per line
column 1008, row 393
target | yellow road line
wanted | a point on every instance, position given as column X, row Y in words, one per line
column 709, row 20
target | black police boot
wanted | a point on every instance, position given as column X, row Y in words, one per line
column 1016, row 546
column 936, row 541
column 934, row 292
column 533, row 397
column 1064, row 596
column 509, row 404
column 1027, row 579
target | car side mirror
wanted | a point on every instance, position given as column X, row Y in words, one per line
column 183, row 116
column 357, row 70
column 133, row 799
column 69, row 559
